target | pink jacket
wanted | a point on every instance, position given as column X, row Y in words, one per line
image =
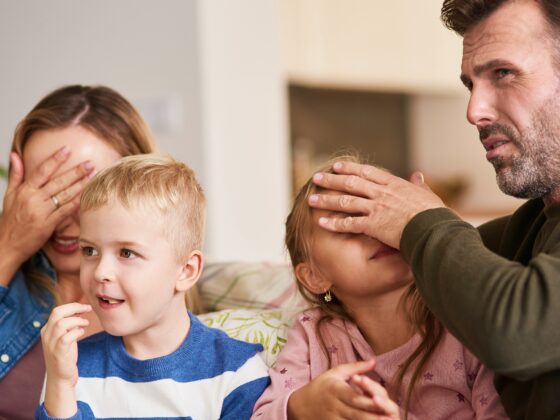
column 454, row 384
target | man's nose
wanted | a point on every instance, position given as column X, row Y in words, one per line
column 482, row 109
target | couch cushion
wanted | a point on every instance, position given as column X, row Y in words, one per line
column 267, row 327
column 249, row 286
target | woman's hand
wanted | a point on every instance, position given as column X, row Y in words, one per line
column 35, row 206
column 60, row 337
column 331, row 396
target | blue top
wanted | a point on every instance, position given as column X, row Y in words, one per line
column 209, row 376
column 22, row 315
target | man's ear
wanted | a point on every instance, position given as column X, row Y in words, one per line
column 190, row 272
column 311, row 279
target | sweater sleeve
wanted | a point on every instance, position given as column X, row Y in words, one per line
column 84, row 412
column 248, row 384
column 292, row 371
column 505, row 312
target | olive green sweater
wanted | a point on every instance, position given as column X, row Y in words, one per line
column 497, row 289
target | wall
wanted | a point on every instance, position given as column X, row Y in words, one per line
column 244, row 128
column 375, row 44
column 445, row 145
column 190, row 66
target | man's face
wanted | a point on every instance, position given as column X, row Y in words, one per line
column 508, row 66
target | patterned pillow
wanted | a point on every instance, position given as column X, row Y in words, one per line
column 266, row 327
column 249, row 286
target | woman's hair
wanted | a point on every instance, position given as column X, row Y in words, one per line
column 98, row 109
column 299, row 242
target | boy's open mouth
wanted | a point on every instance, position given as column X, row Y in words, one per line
column 107, row 301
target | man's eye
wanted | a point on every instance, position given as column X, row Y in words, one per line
column 127, row 253
column 88, row 251
column 502, row 73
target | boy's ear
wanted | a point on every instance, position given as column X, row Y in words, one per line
column 190, row 273
column 311, row 279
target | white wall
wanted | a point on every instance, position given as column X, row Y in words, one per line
column 445, row 145
column 143, row 49
column 211, row 64
column 244, row 128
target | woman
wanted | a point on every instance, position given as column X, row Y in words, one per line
column 69, row 135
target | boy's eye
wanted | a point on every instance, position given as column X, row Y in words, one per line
column 88, row 251
column 127, row 253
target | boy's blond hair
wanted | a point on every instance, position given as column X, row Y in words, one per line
column 157, row 183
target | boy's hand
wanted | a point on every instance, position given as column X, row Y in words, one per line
column 384, row 407
column 331, row 396
column 60, row 337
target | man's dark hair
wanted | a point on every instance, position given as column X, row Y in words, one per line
column 461, row 15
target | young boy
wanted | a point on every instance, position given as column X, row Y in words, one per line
column 142, row 223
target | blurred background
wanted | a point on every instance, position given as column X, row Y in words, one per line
column 253, row 94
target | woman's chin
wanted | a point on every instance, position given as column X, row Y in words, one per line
column 63, row 264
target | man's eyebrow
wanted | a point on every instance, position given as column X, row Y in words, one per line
column 481, row 68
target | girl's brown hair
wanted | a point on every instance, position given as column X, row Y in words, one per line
column 299, row 227
column 102, row 111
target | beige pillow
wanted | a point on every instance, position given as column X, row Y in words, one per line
column 249, row 285
column 266, row 327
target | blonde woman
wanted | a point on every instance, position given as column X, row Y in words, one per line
column 65, row 139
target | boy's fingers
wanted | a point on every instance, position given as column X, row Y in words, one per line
column 67, row 310
column 66, row 324
column 72, row 336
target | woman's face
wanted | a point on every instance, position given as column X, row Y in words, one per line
column 62, row 247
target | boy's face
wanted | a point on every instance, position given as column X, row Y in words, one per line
column 129, row 271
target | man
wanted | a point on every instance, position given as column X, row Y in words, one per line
column 496, row 288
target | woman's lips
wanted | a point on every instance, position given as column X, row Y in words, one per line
column 64, row 244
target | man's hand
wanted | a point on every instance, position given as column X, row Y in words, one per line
column 373, row 202
column 330, row 396
column 60, row 337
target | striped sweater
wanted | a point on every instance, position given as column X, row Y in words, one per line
column 209, row 376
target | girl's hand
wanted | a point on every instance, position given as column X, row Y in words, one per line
column 34, row 207
column 60, row 337
column 384, row 407
column 330, row 396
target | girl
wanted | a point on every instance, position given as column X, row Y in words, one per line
column 370, row 348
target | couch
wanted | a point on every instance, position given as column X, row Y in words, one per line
column 253, row 302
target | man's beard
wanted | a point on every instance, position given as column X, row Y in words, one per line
column 535, row 171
